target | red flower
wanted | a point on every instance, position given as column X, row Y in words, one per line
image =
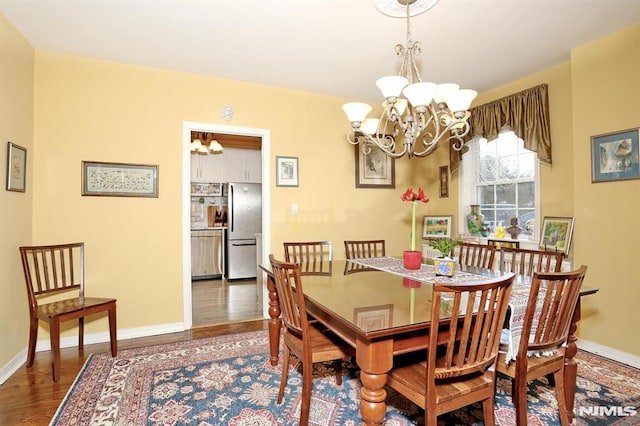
column 409, row 195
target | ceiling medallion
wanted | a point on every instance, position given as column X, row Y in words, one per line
column 227, row 112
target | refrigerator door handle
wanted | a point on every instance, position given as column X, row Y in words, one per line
column 243, row 244
column 232, row 208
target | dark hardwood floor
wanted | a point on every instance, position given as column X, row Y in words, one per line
column 30, row 397
column 221, row 301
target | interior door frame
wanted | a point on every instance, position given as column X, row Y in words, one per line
column 265, row 135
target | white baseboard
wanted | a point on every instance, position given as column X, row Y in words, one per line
column 610, row 353
column 66, row 342
column 12, row 366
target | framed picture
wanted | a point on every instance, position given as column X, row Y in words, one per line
column 374, row 168
column 16, row 168
column 437, row 227
column 373, row 317
column 444, row 181
column 287, row 171
column 556, row 234
column 614, row 156
column 119, row 179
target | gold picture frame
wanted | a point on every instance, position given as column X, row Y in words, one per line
column 556, row 234
column 437, row 226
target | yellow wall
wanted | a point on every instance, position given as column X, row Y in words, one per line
column 605, row 99
column 101, row 111
column 16, row 125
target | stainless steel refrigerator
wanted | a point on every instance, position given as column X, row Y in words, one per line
column 245, row 221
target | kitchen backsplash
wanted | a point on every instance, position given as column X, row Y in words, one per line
column 208, row 211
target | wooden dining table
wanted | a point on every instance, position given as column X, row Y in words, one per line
column 384, row 312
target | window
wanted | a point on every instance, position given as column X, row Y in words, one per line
column 502, row 177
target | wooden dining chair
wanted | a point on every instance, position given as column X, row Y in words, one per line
column 478, row 255
column 362, row 249
column 526, row 262
column 313, row 257
column 55, row 269
column 552, row 300
column 463, row 347
column 309, row 341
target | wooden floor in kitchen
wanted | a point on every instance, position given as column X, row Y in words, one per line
column 222, row 302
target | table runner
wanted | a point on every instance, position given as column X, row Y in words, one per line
column 426, row 274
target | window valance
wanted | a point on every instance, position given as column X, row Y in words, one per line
column 526, row 113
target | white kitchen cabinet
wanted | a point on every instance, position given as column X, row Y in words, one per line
column 242, row 165
column 207, row 167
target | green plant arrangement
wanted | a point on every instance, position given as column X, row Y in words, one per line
column 444, row 245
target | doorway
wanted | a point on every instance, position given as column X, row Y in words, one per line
column 227, row 294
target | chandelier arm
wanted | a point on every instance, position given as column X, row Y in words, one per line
column 458, row 135
column 387, row 147
column 352, row 138
column 430, row 146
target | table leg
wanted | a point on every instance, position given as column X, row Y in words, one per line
column 570, row 366
column 375, row 359
column 275, row 322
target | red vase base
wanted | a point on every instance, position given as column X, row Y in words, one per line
column 412, row 259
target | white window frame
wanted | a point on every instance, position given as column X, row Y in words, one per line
column 467, row 192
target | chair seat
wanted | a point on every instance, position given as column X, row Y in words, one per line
column 69, row 306
column 412, row 378
column 537, row 366
column 327, row 346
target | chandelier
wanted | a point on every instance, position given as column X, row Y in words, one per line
column 428, row 114
column 209, row 145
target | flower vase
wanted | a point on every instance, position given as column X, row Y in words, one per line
column 444, row 266
column 412, row 259
column 475, row 220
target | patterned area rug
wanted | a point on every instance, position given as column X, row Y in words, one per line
column 228, row 380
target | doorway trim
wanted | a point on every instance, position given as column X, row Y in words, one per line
column 187, row 128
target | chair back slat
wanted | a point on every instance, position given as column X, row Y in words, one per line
column 478, row 255
column 527, row 262
column 291, row 296
column 313, row 257
column 363, row 249
column 472, row 316
column 552, row 301
column 53, row 268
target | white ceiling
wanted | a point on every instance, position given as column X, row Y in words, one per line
column 333, row 47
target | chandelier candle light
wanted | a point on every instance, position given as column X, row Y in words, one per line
column 412, row 258
column 428, row 114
